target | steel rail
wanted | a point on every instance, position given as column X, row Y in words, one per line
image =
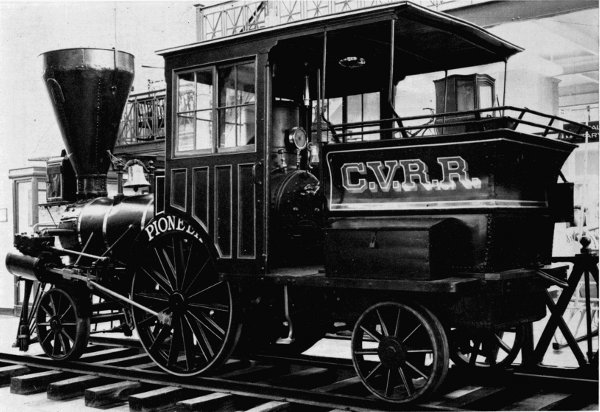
column 249, row 389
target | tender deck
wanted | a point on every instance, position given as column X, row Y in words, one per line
column 314, row 276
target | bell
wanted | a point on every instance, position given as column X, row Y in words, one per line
column 136, row 177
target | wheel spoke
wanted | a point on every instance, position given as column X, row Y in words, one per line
column 164, row 332
column 152, row 297
column 210, row 324
column 158, row 279
column 43, row 342
column 419, row 350
column 69, row 308
column 56, row 349
column 215, row 306
column 168, row 270
column 374, row 370
column 187, row 263
column 412, row 333
column 64, row 344
column 196, row 278
column 64, row 332
column 413, row 367
column 408, row 385
column 502, row 344
column 175, row 346
column 188, row 346
column 180, row 264
column 389, row 384
column 397, row 328
column 46, row 309
column 366, row 352
column 147, row 319
column 475, row 351
column 383, row 326
column 201, row 337
column 373, row 335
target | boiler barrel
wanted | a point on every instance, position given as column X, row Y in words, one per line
column 101, row 222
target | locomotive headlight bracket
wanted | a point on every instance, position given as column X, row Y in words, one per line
column 297, row 138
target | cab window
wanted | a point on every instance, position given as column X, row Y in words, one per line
column 215, row 109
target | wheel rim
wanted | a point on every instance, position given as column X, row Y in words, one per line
column 178, row 278
column 398, row 352
column 485, row 348
column 62, row 332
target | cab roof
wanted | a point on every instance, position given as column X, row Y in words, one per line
column 425, row 40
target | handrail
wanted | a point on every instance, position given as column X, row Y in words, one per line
column 545, row 129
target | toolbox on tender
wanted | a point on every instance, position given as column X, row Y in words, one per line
column 395, row 247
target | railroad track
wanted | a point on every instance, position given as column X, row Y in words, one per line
column 108, row 376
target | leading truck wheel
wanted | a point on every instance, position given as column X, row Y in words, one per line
column 62, row 329
column 177, row 279
column 400, row 351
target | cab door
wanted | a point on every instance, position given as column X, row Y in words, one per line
column 216, row 166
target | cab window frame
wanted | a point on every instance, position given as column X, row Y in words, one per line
column 214, row 108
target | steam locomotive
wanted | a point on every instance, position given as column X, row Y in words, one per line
column 274, row 224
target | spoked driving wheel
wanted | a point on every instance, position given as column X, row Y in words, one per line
column 196, row 328
column 400, row 352
column 62, row 329
column 486, row 348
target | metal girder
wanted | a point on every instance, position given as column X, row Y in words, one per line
column 493, row 13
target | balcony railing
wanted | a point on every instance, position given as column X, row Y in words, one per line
column 143, row 119
column 233, row 17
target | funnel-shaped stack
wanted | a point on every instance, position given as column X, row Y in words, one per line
column 89, row 89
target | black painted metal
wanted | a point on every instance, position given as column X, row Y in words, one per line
column 88, row 89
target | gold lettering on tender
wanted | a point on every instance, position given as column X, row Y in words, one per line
column 455, row 167
column 384, row 182
column 349, row 168
column 415, row 172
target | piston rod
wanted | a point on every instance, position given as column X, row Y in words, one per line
column 162, row 317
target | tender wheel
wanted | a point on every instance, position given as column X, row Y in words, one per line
column 400, row 352
column 486, row 348
column 177, row 278
column 62, row 330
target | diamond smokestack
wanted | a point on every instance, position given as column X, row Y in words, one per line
column 88, row 89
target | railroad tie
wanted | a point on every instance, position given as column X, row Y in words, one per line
column 305, row 378
column 211, row 402
column 539, row 402
column 273, row 406
column 8, row 372
column 113, row 394
column 76, row 386
column 475, row 399
column 253, row 373
column 160, row 398
column 350, row 384
column 39, row 381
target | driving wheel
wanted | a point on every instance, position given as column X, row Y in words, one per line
column 196, row 327
column 400, row 351
column 486, row 348
column 62, row 329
